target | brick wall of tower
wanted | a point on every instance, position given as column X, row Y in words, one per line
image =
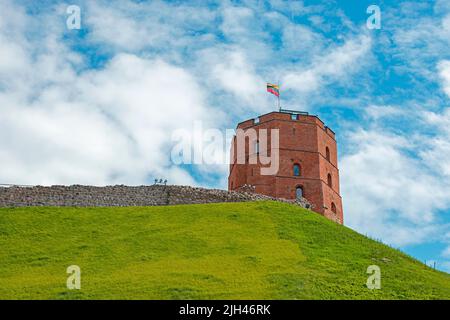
column 303, row 141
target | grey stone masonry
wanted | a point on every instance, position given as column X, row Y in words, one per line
column 120, row 195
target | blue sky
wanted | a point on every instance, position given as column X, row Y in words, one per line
column 99, row 105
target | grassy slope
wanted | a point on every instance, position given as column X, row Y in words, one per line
column 260, row 250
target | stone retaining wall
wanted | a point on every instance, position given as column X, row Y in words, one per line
column 120, row 195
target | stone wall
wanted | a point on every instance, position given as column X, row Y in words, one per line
column 110, row 196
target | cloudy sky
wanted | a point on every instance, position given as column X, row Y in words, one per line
column 99, row 105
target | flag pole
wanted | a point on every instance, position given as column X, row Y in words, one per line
column 279, row 106
column 275, row 90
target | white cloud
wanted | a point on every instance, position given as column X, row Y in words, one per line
column 389, row 194
column 233, row 72
column 236, row 21
column 437, row 148
column 117, row 131
column 336, row 65
column 130, row 27
column 446, row 252
column 104, row 126
column 301, row 41
column 377, row 112
column 417, row 40
column 444, row 72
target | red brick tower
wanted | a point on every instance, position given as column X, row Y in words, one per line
column 307, row 161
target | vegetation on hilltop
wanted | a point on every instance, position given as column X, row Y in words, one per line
column 253, row 250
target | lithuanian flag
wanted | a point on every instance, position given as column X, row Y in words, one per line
column 273, row 89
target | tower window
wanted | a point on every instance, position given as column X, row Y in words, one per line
column 256, row 120
column 330, row 181
column 297, row 170
column 333, row 207
column 327, row 153
column 294, row 116
column 298, row 192
column 257, row 147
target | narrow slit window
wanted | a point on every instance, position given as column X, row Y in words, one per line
column 297, row 170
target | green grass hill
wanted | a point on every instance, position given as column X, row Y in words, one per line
column 253, row 250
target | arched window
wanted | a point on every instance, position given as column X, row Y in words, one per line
column 298, row 192
column 330, row 181
column 297, row 170
column 333, row 207
column 327, row 153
